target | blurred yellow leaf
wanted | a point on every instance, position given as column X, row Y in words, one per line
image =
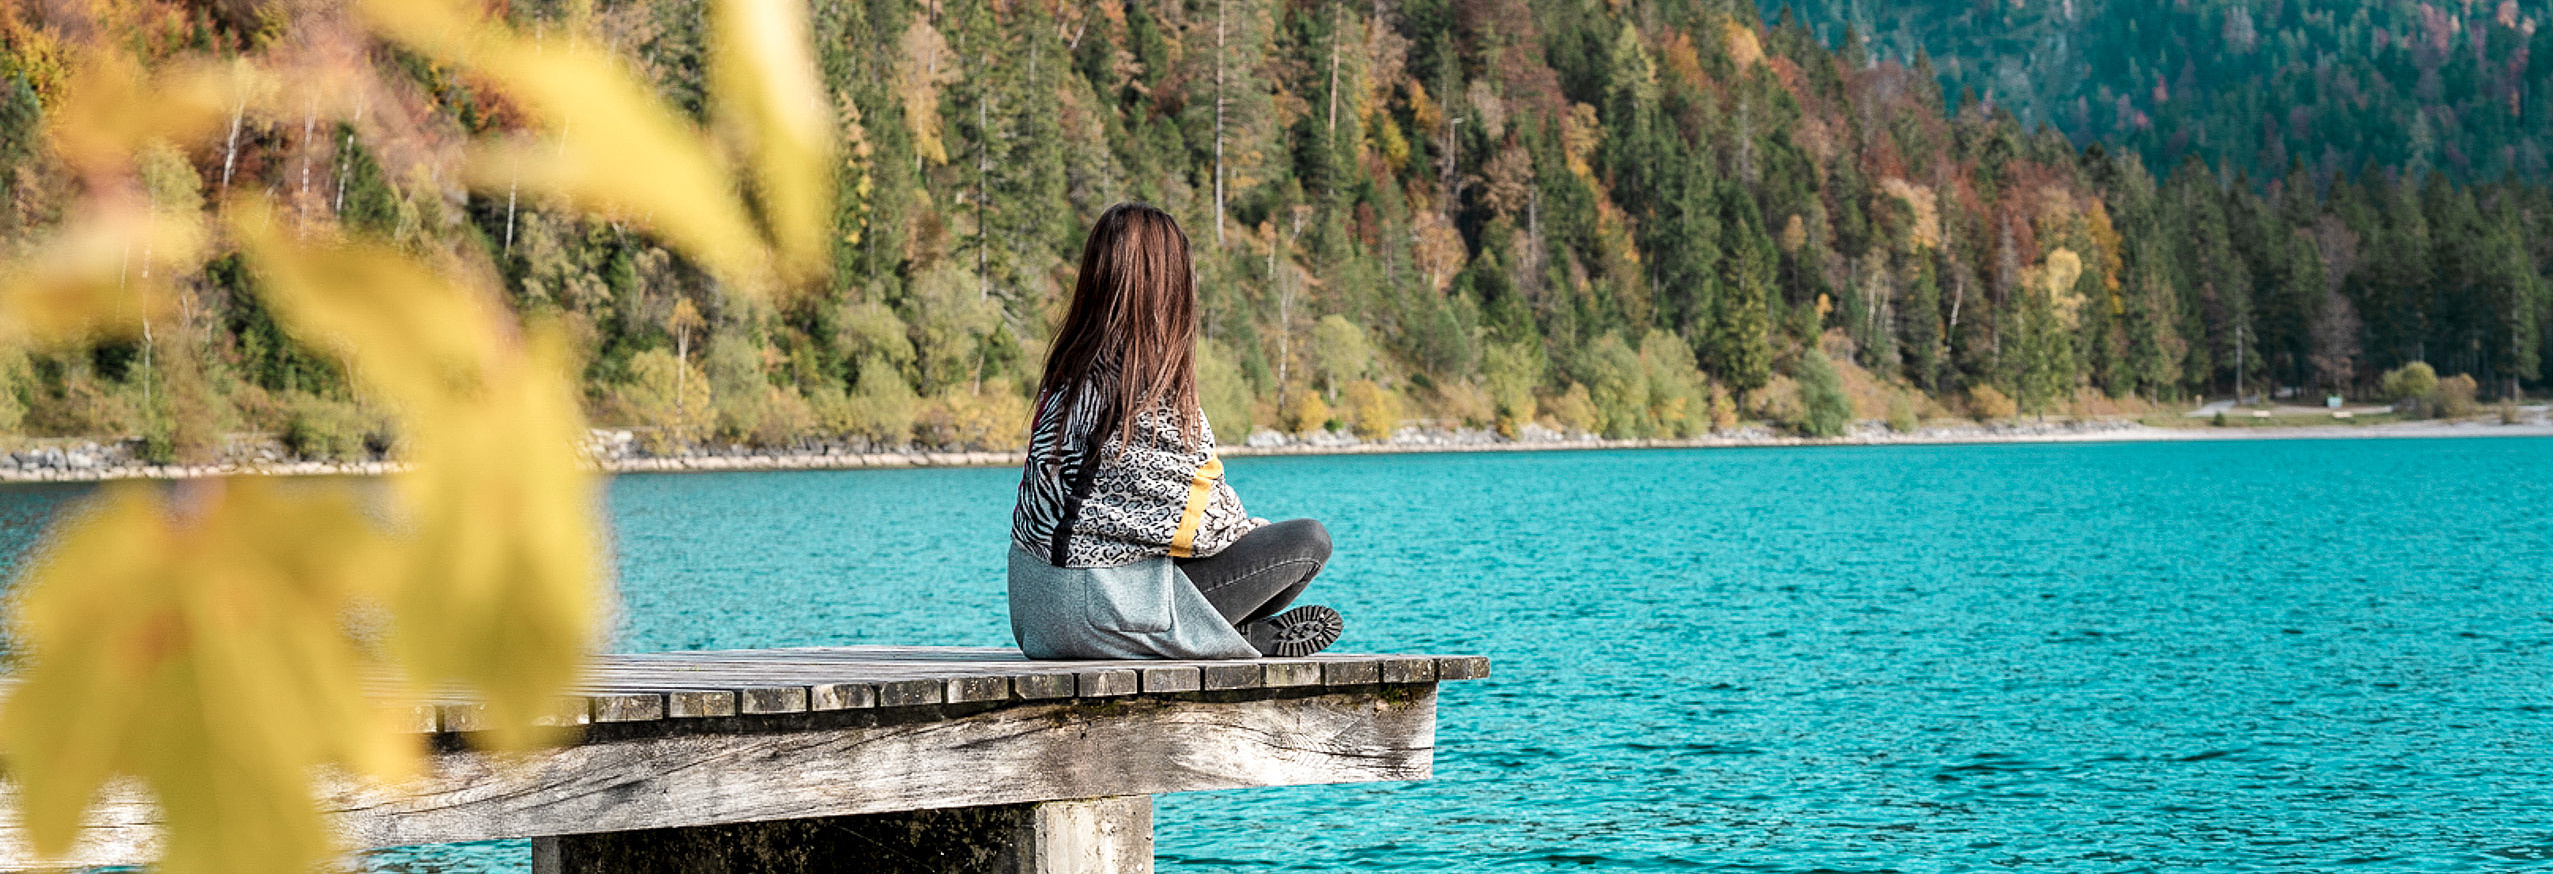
column 503, row 593
column 608, row 144
column 161, row 637
column 413, row 336
column 110, row 109
column 497, row 586
column 200, row 638
column 770, row 100
column 98, row 276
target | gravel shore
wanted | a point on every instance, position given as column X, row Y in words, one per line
column 616, row 451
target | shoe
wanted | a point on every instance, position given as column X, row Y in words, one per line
column 1301, row 631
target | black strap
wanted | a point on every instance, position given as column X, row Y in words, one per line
column 1074, row 491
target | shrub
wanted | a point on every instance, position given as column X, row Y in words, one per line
column 16, row 373
column 666, row 395
column 1779, row 400
column 780, row 419
column 1723, row 410
column 2409, row 386
column 1901, row 415
column 872, row 330
column 2453, row 398
column 1466, row 403
column 186, row 420
column 1373, row 412
column 319, row 429
column 1826, row 409
column 1305, row 411
column 881, row 407
column 1341, row 353
column 1620, row 392
column 1678, row 393
column 1576, row 411
column 1988, row 404
column 1223, row 391
column 1512, row 370
column 88, row 406
column 995, row 418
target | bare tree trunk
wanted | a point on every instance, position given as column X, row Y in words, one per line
column 145, row 308
column 1334, row 73
column 511, row 183
column 2239, row 348
column 682, row 374
column 983, row 168
column 146, row 366
column 1218, row 123
column 1445, row 190
column 1958, row 295
column 1285, row 334
column 230, row 146
column 337, row 206
column 1285, row 296
column 309, row 122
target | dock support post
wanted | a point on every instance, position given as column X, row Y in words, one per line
column 1082, row 836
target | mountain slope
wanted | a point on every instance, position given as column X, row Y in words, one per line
column 2464, row 88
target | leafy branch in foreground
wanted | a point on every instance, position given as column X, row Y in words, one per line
column 224, row 642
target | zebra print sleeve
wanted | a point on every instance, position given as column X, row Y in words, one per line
column 1056, row 474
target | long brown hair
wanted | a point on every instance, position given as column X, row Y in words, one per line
column 1136, row 304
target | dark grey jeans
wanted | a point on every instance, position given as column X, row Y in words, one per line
column 1261, row 573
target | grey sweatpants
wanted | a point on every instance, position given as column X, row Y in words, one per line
column 1261, row 573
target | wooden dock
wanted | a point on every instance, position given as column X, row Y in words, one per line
column 887, row 759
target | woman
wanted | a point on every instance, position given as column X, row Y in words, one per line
column 1127, row 542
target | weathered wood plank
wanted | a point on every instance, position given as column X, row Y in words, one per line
column 682, row 685
column 1106, row 683
column 1462, row 667
column 700, row 703
column 962, row 690
column 912, row 693
column 1362, row 672
column 842, row 696
column 625, row 707
column 467, row 716
column 1232, row 675
column 1409, row 670
column 1292, row 672
column 848, row 730
column 1020, row 753
column 1027, row 752
column 1171, row 679
column 771, row 699
column 1040, row 687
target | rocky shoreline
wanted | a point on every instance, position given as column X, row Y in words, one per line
column 615, row 451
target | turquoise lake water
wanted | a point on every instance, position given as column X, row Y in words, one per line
column 2248, row 656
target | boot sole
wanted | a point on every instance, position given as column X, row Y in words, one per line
column 1304, row 630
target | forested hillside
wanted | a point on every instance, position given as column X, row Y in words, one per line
column 1632, row 217
column 2462, row 87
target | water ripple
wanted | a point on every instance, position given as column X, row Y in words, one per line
column 2310, row 655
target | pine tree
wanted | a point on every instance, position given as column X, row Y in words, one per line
column 2515, row 301
column 1919, row 324
column 1738, row 348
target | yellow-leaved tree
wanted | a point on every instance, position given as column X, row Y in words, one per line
column 222, row 645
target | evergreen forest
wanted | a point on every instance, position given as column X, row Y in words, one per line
column 1635, row 218
column 2460, row 87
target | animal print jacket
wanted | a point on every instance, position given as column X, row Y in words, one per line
column 1107, row 502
